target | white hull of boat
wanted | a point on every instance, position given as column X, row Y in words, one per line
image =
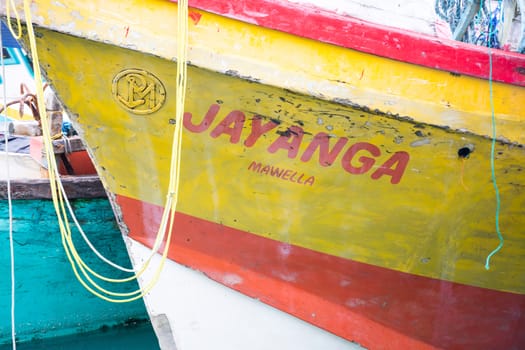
column 21, row 166
column 189, row 311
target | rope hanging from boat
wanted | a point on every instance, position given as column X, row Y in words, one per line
column 9, row 199
column 475, row 21
column 59, row 196
column 11, row 5
column 492, row 158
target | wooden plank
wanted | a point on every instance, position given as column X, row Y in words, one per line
column 68, row 145
column 75, row 186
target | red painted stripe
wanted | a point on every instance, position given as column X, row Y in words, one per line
column 394, row 43
column 376, row 307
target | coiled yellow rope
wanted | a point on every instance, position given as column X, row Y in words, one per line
column 81, row 270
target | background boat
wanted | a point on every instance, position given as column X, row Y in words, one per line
column 18, row 73
column 48, row 302
column 333, row 167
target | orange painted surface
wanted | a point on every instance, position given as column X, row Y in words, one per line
column 81, row 164
column 79, row 160
column 376, row 307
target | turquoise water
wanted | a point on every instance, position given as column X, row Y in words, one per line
column 134, row 337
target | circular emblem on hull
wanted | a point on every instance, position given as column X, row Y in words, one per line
column 138, row 91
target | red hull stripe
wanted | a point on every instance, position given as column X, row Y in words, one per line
column 394, row 43
column 376, row 307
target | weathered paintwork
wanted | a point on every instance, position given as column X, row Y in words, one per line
column 234, row 128
column 49, row 301
column 326, row 62
column 316, row 177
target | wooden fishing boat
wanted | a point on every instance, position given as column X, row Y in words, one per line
column 354, row 173
column 17, row 76
column 47, row 304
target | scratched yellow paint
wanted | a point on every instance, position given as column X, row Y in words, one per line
column 275, row 58
column 438, row 221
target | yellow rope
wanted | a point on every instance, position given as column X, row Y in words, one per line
column 59, row 197
column 18, row 34
column 9, row 200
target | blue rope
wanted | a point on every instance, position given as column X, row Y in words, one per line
column 492, row 150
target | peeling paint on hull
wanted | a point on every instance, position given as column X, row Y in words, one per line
column 389, row 237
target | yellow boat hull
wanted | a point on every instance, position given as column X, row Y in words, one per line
column 373, row 211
